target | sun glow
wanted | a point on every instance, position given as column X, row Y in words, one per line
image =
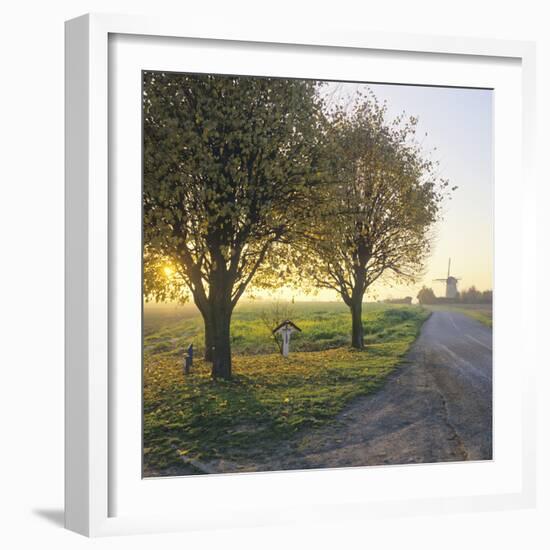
column 168, row 271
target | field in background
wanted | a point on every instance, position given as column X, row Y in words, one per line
column 169, row 329
column 480, row 312
column 270, row 397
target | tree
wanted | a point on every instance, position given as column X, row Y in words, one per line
column 426, row 296
column 471, row 296
column 378, row 209
column 229, row 164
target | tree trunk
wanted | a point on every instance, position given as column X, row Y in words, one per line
column 207, row 341
column 216, row 309
column 221, row 341
column 357, row 337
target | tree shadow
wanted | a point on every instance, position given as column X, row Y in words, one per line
column 54, row 516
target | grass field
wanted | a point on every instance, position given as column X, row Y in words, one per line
column 168, row 330
column 480, row 312
column 270, row 398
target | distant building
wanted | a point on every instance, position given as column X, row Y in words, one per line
column 451, row 290
column 407, row 300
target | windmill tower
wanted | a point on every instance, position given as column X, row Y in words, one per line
column 450, row 283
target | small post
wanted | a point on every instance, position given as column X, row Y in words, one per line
column 188, row 359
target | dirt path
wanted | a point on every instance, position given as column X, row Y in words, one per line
column 436, row 407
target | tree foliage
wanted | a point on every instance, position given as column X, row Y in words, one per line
column 474, row 296
column 426, row 296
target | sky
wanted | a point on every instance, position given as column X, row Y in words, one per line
column 459, row 124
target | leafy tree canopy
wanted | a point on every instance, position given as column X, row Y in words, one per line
column 426, row 296
column 228, row 164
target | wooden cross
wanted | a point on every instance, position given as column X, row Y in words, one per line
column 285, row 329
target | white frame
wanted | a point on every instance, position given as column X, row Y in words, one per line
column 87, row 265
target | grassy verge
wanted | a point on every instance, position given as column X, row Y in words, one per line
column 270, row 398
column 480, row 312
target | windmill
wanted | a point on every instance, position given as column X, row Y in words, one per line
column 450, row 283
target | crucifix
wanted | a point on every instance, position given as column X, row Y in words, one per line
column 285, row 329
